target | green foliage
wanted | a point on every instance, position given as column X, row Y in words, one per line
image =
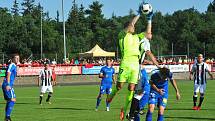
column 87, row 27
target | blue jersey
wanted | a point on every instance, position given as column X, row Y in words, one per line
column 108, row 73
column 145, row 81
column 159, row 82
column 13, row 72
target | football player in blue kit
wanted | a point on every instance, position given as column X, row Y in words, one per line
column 107, row 74
column 7, row 86
column 159, row 92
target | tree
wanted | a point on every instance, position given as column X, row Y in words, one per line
column 211, row 7
column 57, row 19
column 28, row 6
column 15, row 8
column 96, row 21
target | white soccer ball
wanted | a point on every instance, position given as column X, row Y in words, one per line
column 146, row 8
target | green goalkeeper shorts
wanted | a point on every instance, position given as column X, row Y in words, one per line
column 129, row 72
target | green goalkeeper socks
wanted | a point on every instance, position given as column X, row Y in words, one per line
column 128, row 100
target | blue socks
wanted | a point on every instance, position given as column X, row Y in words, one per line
column 137, row 117
column 9, row 108
column 98, row 102
column 160, row 117
column 107, row 104
column 149, row 116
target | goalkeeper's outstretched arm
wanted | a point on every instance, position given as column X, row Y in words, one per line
column 148, row 31
column 134, row 20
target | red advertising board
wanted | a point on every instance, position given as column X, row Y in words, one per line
column 59, row 70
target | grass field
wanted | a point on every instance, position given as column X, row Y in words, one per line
column 77, row 103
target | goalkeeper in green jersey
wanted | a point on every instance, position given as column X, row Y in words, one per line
column 129, row 66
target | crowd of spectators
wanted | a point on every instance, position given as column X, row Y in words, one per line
column 101, row 61
column 181, row 60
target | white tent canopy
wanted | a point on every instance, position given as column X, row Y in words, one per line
column 97, row 52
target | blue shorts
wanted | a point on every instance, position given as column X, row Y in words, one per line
column 160, row 100
column 8, row 95
column 105, row 89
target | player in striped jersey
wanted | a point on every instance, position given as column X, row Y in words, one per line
column 45, row 77
column 198, row 71
column 7, row 86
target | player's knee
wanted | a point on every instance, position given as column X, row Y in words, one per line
column 151, row 108
column 41, row 95
column 131, row 87
column 161, row 110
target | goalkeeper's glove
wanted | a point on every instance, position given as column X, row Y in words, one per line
column 139, row 11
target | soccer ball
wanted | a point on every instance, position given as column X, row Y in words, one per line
column 146, row 8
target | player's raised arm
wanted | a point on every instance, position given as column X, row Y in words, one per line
column 134, row 20
column 149, row 25
column 174, row 84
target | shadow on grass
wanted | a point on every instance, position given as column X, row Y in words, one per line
column 188, row 109
column 197, row 118
column 19, row 103
column 68, row 109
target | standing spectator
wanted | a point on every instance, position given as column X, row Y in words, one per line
column 54, row 76
column 76, row 61
column 54, row 62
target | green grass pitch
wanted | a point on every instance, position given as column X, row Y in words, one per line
column 77, row 103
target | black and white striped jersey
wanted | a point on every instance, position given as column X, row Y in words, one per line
column 199, row 71
column 144, row 46
column 46, row 77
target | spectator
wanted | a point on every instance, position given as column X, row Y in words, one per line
column 54, row 62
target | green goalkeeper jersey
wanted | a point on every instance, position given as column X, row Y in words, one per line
column 129, row 46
